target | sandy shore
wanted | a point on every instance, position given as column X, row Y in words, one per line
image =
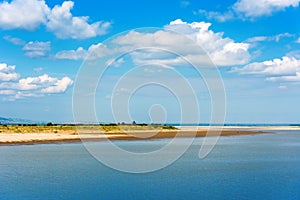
column 67, row 136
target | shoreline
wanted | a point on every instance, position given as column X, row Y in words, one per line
column 250, row 128
column 8, row 139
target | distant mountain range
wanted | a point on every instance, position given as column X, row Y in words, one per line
column 4, row 120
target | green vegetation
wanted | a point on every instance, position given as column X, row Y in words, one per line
column 167, row 127
column 34, row 128
column 71, row 128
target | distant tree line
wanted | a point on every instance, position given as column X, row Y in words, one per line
column 164, row 126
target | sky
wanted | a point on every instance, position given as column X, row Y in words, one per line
column 161, row 61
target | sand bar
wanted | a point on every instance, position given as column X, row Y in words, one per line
column 67, row 136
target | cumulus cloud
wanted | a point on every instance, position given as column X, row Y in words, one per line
column 180, row 37
column 298, row 40
column 7, row 72
column 37, row 49
column 30, row 14
column 58, row 86
column 284, row 69
column 64, row 25
column 31, row 83
column 23, row 14
column 285, row 65
column 16, row 87
column 253, row 9
column 43, row 83
column 223, row 51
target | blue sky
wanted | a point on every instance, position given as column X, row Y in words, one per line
column 254, row 45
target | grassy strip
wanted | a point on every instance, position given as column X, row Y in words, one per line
column 72, row 128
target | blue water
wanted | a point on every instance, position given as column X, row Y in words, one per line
column 240, row 167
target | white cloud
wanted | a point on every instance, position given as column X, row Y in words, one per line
column 93, row 52
column 32, row 49
column 58, row 86
column 282, row 87
column 115, row 63
column 223, row 51
column 298, row 40
column 77, row 54
column 37, row 49
column 258, row 8
column 23, row 14
column 152, row 70
column 258, row 39
column 30, row 14
column 286, row 69
column 7, row 73
column 7, row 92
column 222, row 17
column 31, row 83
column 17, row 87
column 286, row 78
column 64, row 25
column 14, row 40
column 5, row 68
column 250, row 9
column 21, row 95
column 283, row 66
column 180, row 37
column 276, row 38
column 294, row 54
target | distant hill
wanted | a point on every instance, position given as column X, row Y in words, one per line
column 4, row 120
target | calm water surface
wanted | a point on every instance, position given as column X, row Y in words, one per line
column 240, row 167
